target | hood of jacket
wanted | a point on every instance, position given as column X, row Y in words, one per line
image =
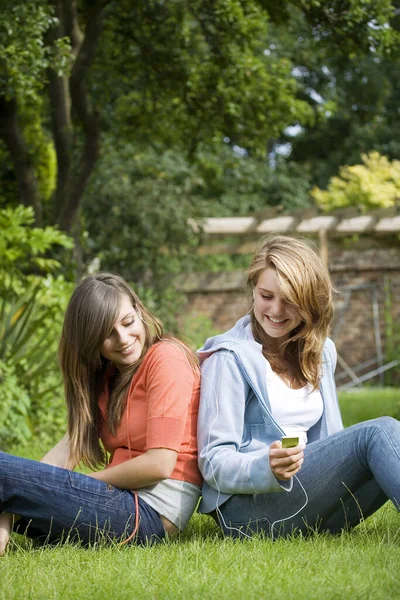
column 240, row 341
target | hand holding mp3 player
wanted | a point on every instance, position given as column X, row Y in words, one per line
column 285, row 465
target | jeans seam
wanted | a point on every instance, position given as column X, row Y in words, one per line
column 95, row 499
column 390, row 442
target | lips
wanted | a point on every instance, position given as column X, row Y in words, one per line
column 276, row 321
column 127, row 349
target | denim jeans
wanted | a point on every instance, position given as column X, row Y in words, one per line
column 344, row 478
column 58, row 504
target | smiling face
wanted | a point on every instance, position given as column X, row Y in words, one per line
column 125, row 343
column 276, row 316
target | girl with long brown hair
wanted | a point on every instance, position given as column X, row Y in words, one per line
column 269, row 378
column 132, row 397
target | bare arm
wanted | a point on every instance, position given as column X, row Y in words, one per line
column 58, row 456
column 6, row 520
column 147, row 469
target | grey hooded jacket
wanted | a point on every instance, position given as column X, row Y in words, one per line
column 235, row 426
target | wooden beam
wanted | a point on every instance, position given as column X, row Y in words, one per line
column 324, row 247
column 335, row 224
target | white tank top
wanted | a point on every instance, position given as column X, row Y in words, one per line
column 295, row 411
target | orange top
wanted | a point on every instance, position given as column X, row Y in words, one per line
column 161, row 412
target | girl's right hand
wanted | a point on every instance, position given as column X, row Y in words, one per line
column 285, row 462
column 5, row 530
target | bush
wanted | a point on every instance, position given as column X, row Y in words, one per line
column 15, row 405
column 32, row 305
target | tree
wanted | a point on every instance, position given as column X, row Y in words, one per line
column 152, row 203
column 168, row 73
column 355, row 98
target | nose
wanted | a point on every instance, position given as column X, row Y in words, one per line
column 278, row 306
column 121, row 336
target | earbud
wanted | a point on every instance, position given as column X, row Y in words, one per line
column 254, row 294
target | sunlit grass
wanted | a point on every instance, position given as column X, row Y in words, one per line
column 201, row 564
column 360, row 564
column 367, row 403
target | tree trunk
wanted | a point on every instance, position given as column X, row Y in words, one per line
column 11, row 132
column 75, row 161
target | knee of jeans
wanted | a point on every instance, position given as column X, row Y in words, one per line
column 389, row 424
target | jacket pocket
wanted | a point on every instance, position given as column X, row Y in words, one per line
column 256, row 436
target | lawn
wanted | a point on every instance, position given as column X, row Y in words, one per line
column 203, row 565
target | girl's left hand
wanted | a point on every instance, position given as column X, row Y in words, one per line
column 5, row 530
column 285, row 462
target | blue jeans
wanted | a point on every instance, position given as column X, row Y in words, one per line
column 344, row 478
column 57, row 504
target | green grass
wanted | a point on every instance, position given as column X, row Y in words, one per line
column 362, row 564
column 368, row 403
column 201, row 564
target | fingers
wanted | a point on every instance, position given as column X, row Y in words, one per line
column 285, row 471
column 5, row 530
column 285, row 462
column 4, row 537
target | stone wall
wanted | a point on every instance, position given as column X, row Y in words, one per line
column 368, row 276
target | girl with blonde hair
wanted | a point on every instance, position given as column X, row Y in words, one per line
column 132, row 397
column 271, row 377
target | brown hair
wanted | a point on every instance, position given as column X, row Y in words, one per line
column 89, row 319
column 305, row 283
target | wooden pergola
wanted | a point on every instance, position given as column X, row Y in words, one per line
column 341, row 223
column 324, row 226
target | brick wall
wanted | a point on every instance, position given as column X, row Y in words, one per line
column 221, row 297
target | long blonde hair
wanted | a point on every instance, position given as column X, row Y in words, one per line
column 89, row 319
column 305, row 283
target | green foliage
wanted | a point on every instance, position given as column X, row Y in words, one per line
column 359, row 24
column 208, row 68
column 374, row 184
column 192, row 79
column 154, row 196
column 24, row 57
column 32, row 304
column 42, row 156
column 23, row 249
column 14, row 404
column 41, row 146
column 148, row 199
column 237, row 185
column 9, row 192
column 215, row 262
column 355, row 97
column 175, row 75
column 195, row 329
column 29, row 331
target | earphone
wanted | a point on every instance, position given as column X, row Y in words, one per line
column 254, row 294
